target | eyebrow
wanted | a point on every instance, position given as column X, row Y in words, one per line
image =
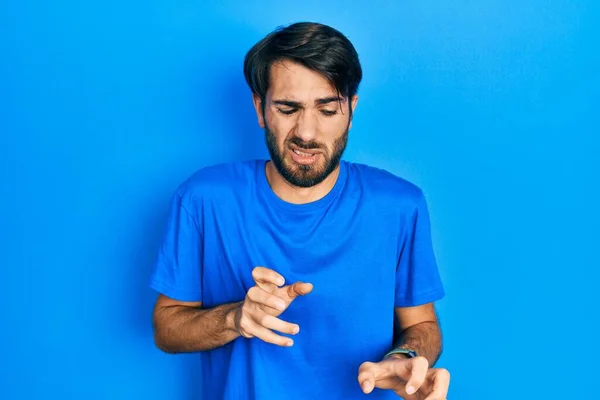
column 297, row 104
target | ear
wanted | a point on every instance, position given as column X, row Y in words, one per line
column 258, row 107
column 353, row 105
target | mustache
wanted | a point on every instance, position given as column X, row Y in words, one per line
column 304, row 145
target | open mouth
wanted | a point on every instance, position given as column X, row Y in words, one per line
column 303, row 156
column 303, row 153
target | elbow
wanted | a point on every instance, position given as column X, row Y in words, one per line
column 161, row 338
column 162, row 344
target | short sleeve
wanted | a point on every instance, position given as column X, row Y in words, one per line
column 178, row 269
column 417, row 277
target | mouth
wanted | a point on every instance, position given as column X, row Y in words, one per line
column 303, row 156
column 303, row 153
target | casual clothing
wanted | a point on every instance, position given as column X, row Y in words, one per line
column 366, row 247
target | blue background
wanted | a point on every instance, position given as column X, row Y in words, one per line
column 492, row 107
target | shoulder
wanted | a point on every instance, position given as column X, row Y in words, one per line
column 216, row 182
column 379, row 181
column 385, row 188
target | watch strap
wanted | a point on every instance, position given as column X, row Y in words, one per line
column 407, row 352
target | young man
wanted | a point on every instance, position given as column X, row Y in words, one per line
column 288, row 274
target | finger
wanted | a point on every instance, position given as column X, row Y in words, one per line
column 441, row 382
column 298, row 289
column 267, row 279
column 366, row 376
column 418, row 367
column 268, row 336
column 271, row 322
column 367, row 382
column 263, row 298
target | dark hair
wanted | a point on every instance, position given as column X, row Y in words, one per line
column 318, row 47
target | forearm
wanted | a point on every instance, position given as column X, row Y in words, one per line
column 180, row 329
column 425, row 338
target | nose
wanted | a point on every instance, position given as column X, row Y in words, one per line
column 306, row 126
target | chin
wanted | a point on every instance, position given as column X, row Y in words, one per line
column 303, row 175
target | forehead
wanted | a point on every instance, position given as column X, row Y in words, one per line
column 295, row 81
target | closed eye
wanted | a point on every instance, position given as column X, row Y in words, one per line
column 328, row 113
column 287, row 112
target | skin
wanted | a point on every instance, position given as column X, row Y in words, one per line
column 412, row 379
column 302, row 111
column 181, row 327
column 301, row 105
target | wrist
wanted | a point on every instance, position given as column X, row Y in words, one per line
column 401, row 353
column 231, row 317
column 397, row 357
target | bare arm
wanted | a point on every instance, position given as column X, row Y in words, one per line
column 181, row 327
column 411, row 378
column 420, row 331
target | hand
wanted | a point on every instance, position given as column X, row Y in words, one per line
column 410, row 378
column 264, row 302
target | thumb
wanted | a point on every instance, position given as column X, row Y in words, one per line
column 298, row 289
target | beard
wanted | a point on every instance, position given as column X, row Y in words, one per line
column 305, row 175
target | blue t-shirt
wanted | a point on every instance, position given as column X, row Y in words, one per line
column 366, row 247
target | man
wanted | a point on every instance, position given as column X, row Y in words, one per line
column 288, row 274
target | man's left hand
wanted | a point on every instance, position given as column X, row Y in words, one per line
column 410, row 378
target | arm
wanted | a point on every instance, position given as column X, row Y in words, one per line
column 420, row 331
column 186, row 327
column 417, row 282
column 181, row 327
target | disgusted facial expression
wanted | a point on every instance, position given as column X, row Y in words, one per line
column 306, row 123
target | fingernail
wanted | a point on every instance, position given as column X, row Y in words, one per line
column 410, row 390
column 296, row 329
column 280, row 281
column 281, row 306
column 290, row 343
column 367, row 387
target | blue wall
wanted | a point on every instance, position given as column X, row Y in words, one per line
column 492, row 107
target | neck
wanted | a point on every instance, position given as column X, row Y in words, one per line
column 295, row 194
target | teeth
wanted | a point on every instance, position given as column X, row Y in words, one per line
column 300, row 153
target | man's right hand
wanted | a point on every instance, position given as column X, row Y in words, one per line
column 257, row 314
